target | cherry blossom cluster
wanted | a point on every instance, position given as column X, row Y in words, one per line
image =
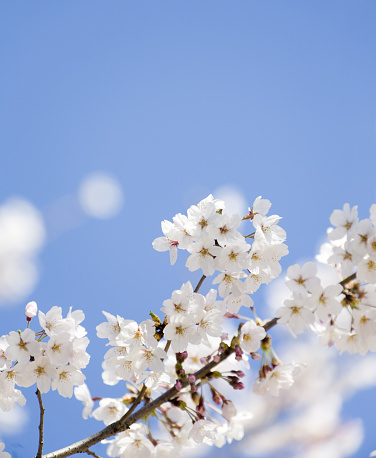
column 27, row 357
column 342, row 313
column 179, row 368
column 211, row 238
column 168, row 352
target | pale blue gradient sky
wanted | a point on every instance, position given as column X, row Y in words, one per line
column 275, row 98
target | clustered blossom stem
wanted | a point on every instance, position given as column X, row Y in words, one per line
column 41, row 422
column 129, row 418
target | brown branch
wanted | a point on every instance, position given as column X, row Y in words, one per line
column 348, row 279
column 124, row 423
column 137, row 401
column 200, row 283
column 41, row 422
column 89, row 452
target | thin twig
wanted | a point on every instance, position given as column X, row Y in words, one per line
column 89, row 452
column 348, row 279
column 200, row 283
column 167, row 347
column 137, row 401
column 41, row 421
column 140, row 394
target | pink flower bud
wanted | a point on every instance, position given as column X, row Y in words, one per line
column 31, row 310
column 191, row 378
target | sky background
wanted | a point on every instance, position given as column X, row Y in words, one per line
column 174, row 100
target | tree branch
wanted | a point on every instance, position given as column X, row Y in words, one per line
column 200, row 283
column 348, row 279
column 89, row 452
column 41, row 422
column 124, row 423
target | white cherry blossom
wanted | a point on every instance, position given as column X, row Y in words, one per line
column 251, row 336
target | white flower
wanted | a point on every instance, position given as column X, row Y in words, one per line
column 151, row 358
column 346, row 257
column 184, row 231
column 60, row 349
column 233, row 258
column 202, row 256
column 180, row 330
column 134, row 443
column 302, row 279
column 202, row 215
column 111, row 329
column 31, row 309
column 9, row 377
column 296, row 315
column 210, row 324
column 251, row 336
column 22, row 345
column 203, row 431
column 181, row 302
column 364, row 231
column 230, row 283
column 155, row 379
column 367, row 270
column 267, row 229
column 371, row 247
column 135, row 335
column 75, row 318
column 351, row 342
column 224, row 230
column 280, row 378
column 40, row 371
column 165, row 243
column 82, row 393
column 109, row 410
column 345, row 222
column 66, row 378
column 324, row 301
column 234, row 303
column 261, row 206
column 52, row 322
column 5, row 363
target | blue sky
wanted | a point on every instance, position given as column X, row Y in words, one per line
column 175, row 100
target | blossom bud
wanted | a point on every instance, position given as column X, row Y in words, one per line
column 238, row 350
column 228, row 410
column 216, row 358
column 216, row 397
column 195, row 398
column 200, row 409
column 239, row 373
column 266, row 343
column 178, row 385
column 191, row 378
column 181, row 357
column 31, row 310
column 238, row 386
column 255, row 356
